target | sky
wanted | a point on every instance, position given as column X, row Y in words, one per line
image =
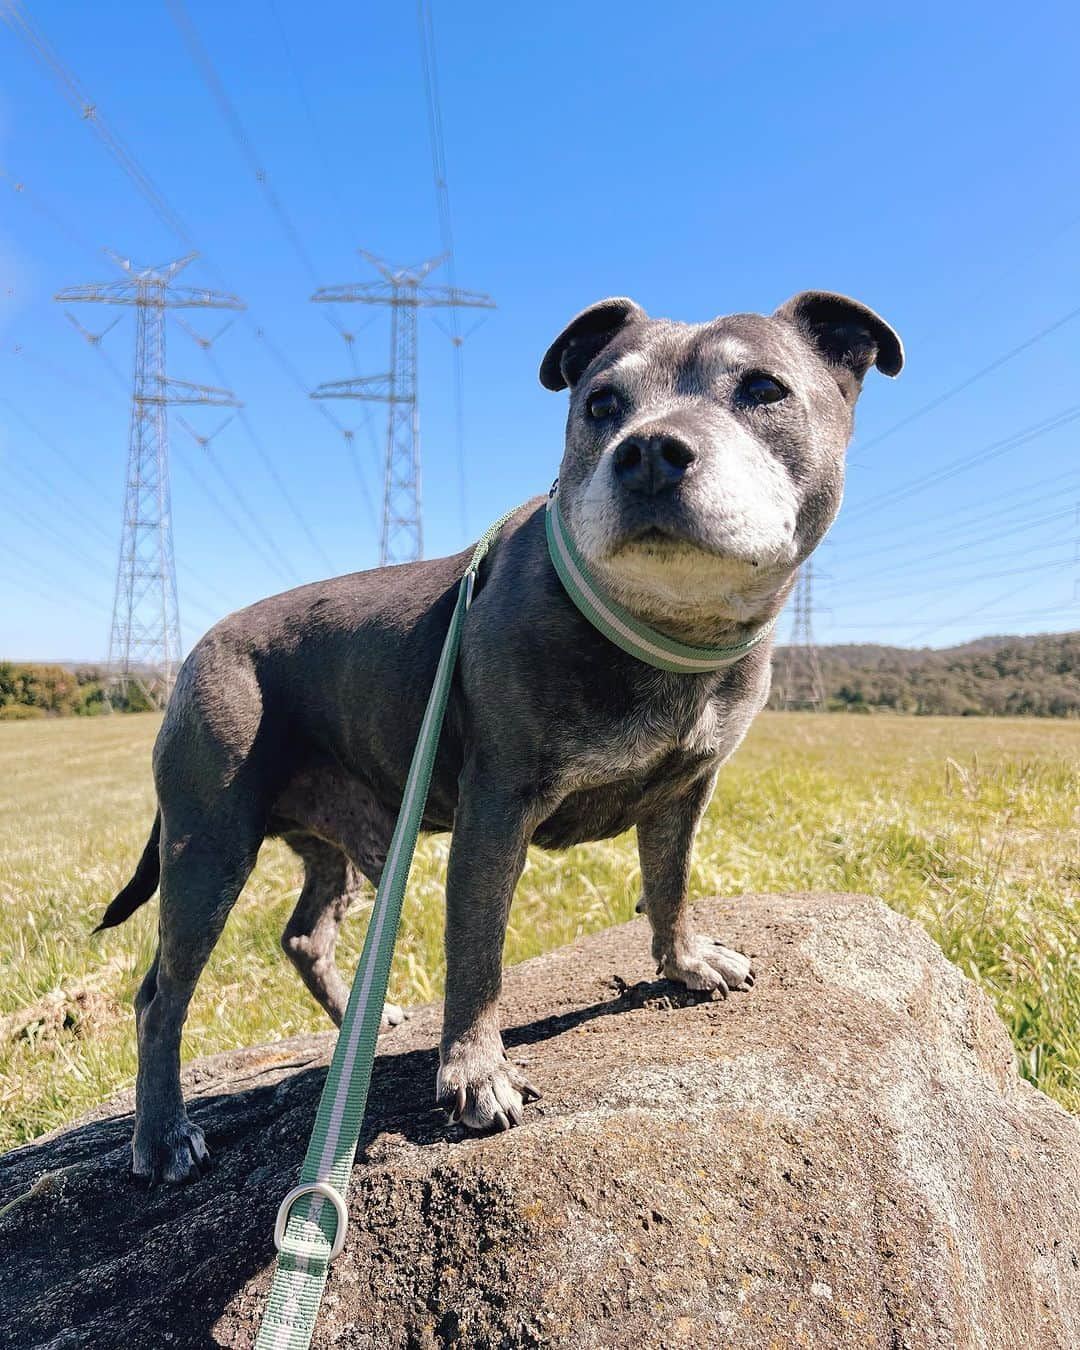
column 703, row 159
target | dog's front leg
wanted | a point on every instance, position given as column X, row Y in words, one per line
column 477, row 1084
column 665, row 845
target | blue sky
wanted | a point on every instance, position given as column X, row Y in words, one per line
column 702, row 158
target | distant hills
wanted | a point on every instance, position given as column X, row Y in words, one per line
column 998, row 675
column 1036, row 676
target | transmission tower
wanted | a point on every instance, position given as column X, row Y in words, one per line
column 144, row 637
column 802, row 685
column 402, row 291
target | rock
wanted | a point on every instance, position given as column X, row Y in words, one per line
column 843, row 1157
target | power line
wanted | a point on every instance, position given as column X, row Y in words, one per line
column 429, row 66
column 1029, row 523
column 936, row 625
column 77, row 97
column 981, row 373
column 907, row 573
column 1019, row 616
column 215, row 86
column 59, row 372
column 957, row 513
column 210, row 78
column 19, row 187
column 279, row 561
column 346, row 434
column 73, row 511
column 1048, row 519
column 49, row 528
column 65, row 590
column 58, row 499
column 1019, row 438
column 271, row 468
column 330, row 178
column 93, row 340
column 72, row 465
column 971, row 613
column 267, row 551
column 961, row 583
column 993, row 287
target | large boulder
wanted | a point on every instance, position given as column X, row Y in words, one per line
column 843, row 1157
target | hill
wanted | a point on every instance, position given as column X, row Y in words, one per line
column 1037, row 676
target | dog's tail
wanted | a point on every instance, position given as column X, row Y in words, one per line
column 141, row 886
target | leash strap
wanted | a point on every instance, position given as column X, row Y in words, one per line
column 310, row 1229
column 616, row 622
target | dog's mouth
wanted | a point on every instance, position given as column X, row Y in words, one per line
column 653, row 535
column 676, row 547
column 662, row 541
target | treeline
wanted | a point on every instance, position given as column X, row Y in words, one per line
column 993, row 676
column 59, row 691
column 1002, row 676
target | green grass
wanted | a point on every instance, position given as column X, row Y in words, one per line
column 970, row 826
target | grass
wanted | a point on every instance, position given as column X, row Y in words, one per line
column 969, row 826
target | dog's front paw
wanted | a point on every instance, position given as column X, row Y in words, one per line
column 701, row 963
column 176, row 1153
column 482, row 1091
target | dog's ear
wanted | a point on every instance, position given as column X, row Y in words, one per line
column 850, row 337
column 585, row 337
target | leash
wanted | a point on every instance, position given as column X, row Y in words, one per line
column 311, row 1220
column 313, row 1217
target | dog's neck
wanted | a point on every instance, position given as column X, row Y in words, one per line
column 683, row 641
column 699, row 624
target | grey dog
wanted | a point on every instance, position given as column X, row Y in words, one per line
column 702, row 464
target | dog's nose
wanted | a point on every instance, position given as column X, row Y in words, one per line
column 651, row 464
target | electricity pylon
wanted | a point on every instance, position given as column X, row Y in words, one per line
column 144, row 637
column 802, row 685
column 403, row 292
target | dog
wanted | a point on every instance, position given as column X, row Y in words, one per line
column 703, row 463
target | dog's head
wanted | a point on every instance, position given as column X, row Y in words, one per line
column 704, row 462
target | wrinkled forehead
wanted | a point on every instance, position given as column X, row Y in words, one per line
column 661, row 355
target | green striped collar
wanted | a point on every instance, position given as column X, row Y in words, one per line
column 619, row 625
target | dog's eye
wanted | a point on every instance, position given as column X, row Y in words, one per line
column 603, row 403
column 758, row 389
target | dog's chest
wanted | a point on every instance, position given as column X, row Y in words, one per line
column 651, row 736
column 620, row 769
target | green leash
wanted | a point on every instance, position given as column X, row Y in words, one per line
column 311, row 1222
column 313, row 1217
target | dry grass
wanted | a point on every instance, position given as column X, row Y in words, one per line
column 970, row 826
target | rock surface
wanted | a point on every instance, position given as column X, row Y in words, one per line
column 843, row 1157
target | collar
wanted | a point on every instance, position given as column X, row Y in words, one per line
column 616, row 622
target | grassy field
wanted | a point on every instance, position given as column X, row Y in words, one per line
column 970, row 826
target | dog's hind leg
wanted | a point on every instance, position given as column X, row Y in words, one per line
column 204, row 867
column 331, row 883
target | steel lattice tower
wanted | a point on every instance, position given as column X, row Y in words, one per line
column 803, row 686
column 403, row 293
column 144, row 637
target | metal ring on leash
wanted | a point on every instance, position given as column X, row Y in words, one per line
column 328, row 1192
